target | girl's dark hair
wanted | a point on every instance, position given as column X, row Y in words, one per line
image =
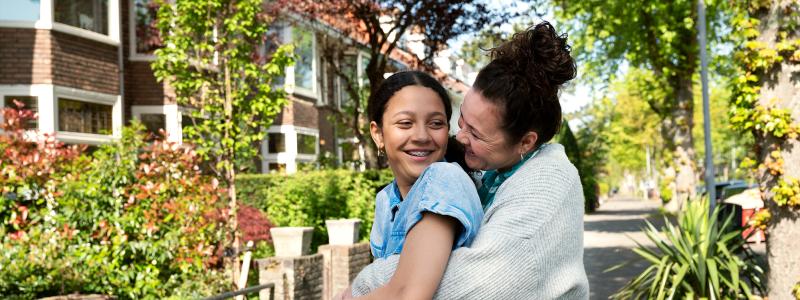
column 523, row 79
column 378, row 100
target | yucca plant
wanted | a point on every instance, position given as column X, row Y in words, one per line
column 700, row 258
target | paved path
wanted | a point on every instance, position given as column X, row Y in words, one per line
column 608, row 235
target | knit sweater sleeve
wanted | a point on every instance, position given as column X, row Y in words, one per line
column 511, row 255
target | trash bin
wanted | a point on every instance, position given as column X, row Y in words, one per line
column 744, row 205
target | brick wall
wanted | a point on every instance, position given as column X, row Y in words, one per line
column 342, row 265
column 304, row 114
column 327, row 138
column 294, row 277
column 84, row 64
column 25, row 56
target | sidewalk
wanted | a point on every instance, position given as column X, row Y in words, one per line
column 608, row 242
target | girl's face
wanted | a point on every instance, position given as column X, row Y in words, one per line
column 486, row 145
column 413, row 133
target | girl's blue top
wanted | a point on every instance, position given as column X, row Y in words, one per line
column 443, row 189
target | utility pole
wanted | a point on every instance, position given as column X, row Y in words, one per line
column 701, row 12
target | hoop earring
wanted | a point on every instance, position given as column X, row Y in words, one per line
column 521, row 157
column 381, row 152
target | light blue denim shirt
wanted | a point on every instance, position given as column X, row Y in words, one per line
column 444, row 189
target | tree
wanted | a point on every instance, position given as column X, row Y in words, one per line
column 379, row 28
column 659, row 37
column 209, row 58
column 766, row 100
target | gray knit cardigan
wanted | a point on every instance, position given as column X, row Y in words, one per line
column 530, row 244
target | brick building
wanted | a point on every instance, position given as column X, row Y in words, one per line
column 84, row 65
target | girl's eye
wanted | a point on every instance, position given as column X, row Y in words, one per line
column 437, row 124
column 404, row 124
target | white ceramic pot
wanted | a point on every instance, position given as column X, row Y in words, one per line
column 343, row 232
column 291, row 241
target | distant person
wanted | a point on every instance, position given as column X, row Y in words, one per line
column 431, row 207
column 530, row 244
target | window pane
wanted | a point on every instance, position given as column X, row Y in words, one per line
column 28, row 103
column 20, row 10
column 79, row 116
column 147, row 35
column 87, row 14
column 303, row 67
column 349, row 67
column 154, row 122
column 306, row 144
column 349, row 152
column 276, row 167
column 276, row 143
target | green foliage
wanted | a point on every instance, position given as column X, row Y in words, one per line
column 700, row 258
column 134, row 220
column 585, row 169
column 309, row 198
column 210, row 58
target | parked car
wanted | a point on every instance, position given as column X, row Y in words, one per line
column 743, row 201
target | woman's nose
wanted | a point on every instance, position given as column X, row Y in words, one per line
column 461, row 137
column 421, row 134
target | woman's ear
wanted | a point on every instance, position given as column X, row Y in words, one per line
column 528, row 142
column 376, row 133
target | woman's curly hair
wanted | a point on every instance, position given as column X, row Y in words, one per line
column 523, row 80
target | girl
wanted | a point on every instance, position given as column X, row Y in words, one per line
column 431, row 207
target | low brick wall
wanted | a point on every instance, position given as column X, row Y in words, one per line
column 294, row 277
column 341, row 265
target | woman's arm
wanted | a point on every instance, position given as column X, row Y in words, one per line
column 422, row 261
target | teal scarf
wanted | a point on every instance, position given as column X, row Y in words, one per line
column 492, row 179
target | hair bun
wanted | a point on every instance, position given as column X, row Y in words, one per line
column 540, row 55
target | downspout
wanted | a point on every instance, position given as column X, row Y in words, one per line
column 121, row 62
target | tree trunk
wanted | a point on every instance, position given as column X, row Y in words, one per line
column 677, row 131
column 781, row 88
column 230, row 177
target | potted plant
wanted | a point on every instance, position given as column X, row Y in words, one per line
column 342, row 231
column 291, row 241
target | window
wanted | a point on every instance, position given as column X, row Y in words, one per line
column 304, row 66
column 87, row 14
column 84, row 117
column 28, row 103
column 349, row 152
column 349, row 67
column 276, row 143
column 153, row 123
column 277, row 167
column 20, row 10
column 146, row 32
column 306, row 144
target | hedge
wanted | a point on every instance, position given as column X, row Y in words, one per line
column 308, row 198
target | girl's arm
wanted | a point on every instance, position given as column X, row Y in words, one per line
column 422, row 261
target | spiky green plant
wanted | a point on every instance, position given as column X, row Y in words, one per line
column 700, row 258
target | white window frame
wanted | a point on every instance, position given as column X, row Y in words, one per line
column 290, row 157
column 43, row 94
column 340, row 154
column 47, row 95
column 172, row 121
column 47, row 21
column 133, row 55
column 90, row 97
column 360, row 74
column 290, row 85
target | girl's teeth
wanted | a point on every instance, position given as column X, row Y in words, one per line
column 419, row 153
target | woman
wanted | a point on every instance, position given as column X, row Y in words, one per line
column 431, row 207
column 530, row 244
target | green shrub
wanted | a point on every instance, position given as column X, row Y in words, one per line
column 134, row 220
column 697, row 259
column 308, row 198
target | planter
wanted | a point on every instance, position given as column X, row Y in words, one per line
column 291, row 241
column 342, row 232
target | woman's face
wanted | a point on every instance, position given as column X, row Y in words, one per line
column 413, row 133
column 486, row 144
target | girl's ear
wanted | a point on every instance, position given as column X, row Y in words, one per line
column 376, row 133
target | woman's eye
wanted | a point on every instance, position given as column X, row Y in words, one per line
column 405, row 124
